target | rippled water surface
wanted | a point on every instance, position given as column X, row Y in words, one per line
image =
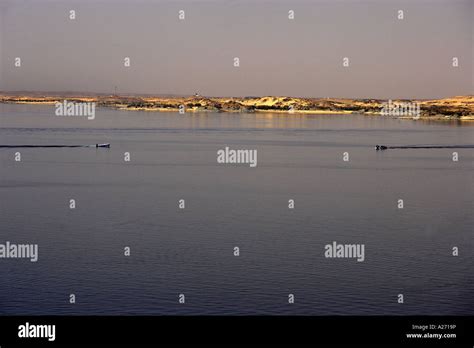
column 190, row 251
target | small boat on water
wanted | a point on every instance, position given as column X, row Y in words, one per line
column 383, row 147
column 106, row 145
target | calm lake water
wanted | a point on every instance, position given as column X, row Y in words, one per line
column 407, row 251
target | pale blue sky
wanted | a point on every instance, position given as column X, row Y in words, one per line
column 389, row 58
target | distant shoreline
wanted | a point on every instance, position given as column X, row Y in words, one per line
column 455, row 108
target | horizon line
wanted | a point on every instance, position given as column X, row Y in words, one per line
column 172, row 95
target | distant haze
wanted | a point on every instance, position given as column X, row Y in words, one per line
column 388, row 57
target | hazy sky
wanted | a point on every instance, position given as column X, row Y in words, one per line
column 388, row 57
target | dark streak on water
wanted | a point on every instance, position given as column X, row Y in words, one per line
column 190, row 251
